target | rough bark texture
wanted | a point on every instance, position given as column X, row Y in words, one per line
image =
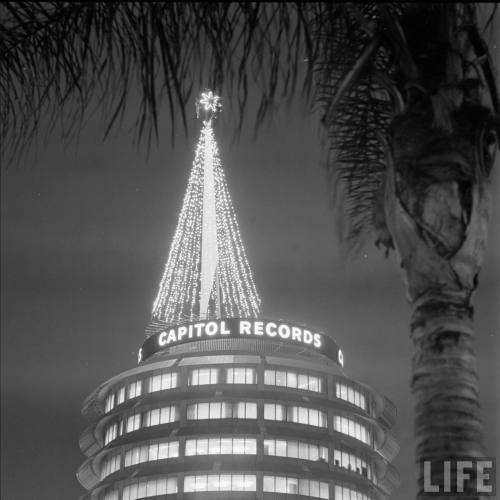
column 437, row 211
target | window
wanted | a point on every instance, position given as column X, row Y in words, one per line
column 203, row 376
column 294, row 380
column 220, row 482
column 350, row 395
column 307, row 416
column 348, row 460
column 133, row 422
column 150, row 487
column 221, row 409
column 110, row 465
column 273, row 411
column 111, row 433
column 296, row 414
column 120, row 396
column 135, row 389
column 295, row 449
column 352, row 428
column 110, row 403
column 163, row 381
column 240, row 376
column 343, row 493
column 221, row 446
column 160, row 416
column 155, row 450
column 293, row 485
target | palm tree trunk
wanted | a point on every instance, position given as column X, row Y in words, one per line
column 445, row 388
column 438, row 223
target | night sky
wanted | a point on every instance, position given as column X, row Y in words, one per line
column 85, row 235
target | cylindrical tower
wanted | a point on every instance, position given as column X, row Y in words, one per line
column 223, row 403
column 245, row 408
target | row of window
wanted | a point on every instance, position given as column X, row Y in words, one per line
column 221, row 446
column 151, row 452
column 347, row 393
column 233, row 482
column 134, row 422
column 220, row 482
column 110, row 465
column 161, row 450
column 343, row 493
column 238, row 409
column 150, row 488
column 347, row 460
column 233, row 375
column 295, row 414
column 296, row 486
column 144, row 489
column 221, row 409
column 351, row 428
column 295, row 449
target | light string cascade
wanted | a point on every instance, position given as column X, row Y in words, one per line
column 207, row 274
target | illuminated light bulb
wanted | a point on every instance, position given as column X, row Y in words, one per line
column 207, row 272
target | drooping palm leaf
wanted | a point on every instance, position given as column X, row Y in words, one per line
column 362, row 63
column 58, row 58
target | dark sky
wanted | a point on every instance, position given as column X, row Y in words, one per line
column 85, row 235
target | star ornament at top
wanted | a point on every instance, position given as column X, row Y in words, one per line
column 210, row 103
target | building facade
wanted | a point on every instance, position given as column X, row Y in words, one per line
column 237, row 409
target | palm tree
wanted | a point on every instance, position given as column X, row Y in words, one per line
column 410, row 112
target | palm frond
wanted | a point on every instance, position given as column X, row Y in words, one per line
column 375, row 61
column 57, row 58
column 361, row 63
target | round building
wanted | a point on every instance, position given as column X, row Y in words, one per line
column 237, row 409
column 228, row 405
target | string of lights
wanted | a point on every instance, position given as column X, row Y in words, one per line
column 207, row 273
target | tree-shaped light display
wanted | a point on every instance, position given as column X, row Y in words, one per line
column 207, row 273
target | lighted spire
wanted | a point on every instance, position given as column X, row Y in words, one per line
column 207, row 273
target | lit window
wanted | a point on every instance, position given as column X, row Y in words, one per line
column 343, row 493
column 293, row 380
column 292, row 485
column 281, row 378
column 302, row 415
column 156, row 450
column 245, row 410
column 120, row 396
column 159, row 416
column 218, row 409
column 351, row 428
column 349, row 460
column 133, row 422
column 203, row 376
column 269, row 377
column 162, row 382
column 110, row 403
column 150, row 487
column 221, row 446
column 111, row 433
column 135, row 389
column 274, row 411
column 220, row 482
column 295, row 449
column 240, row 376
column 350, row 395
